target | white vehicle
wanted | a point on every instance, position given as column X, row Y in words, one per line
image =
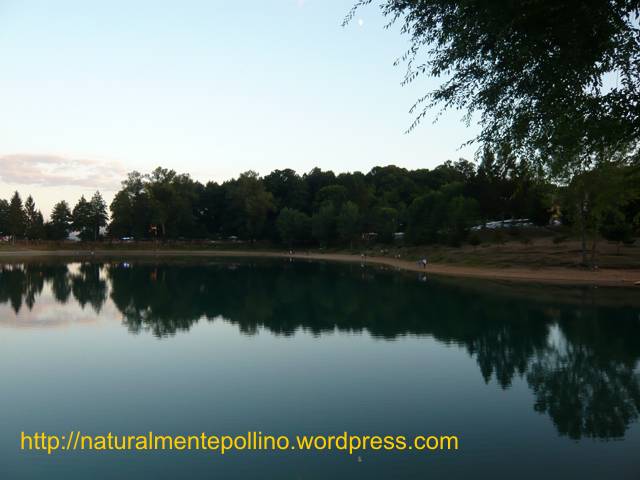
column 510, row 223
column 74, row 236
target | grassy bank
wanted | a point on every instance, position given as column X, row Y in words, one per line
column 534, row 254
column 542, row 264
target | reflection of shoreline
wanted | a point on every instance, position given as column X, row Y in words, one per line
column 545, row 275
column 38, row 294
column 556, row 293
column 570, row 295
column 581, row 362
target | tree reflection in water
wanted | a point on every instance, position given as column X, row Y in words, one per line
column 580, row 360
column 22, row 283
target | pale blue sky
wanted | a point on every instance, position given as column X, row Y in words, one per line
column 90, row 90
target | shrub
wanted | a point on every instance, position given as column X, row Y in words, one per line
column 474, row 239
column 560, row 238
column 498, row 237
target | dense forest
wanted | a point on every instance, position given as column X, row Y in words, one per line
column 320, row 208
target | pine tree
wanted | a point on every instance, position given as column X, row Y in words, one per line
column 17, row 217
column 98, row 214
column 61, row 221
column 4, row 217
column 34, row 228
column 81, row 218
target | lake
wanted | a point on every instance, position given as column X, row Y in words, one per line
column 536, row 381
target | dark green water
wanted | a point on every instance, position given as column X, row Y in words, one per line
column 537, row 382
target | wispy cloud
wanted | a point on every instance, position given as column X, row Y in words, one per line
column 52, row 170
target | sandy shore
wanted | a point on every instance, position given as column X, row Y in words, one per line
column 604, row 277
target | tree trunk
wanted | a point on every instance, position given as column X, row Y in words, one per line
column 583, row 235
column 583, row 232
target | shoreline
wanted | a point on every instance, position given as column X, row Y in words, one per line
column 545, row 275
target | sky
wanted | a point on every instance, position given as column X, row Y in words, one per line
column 92, row 90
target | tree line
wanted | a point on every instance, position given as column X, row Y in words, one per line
column 321, row 208
column 20, row 220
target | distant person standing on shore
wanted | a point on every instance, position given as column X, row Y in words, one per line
column 424, row 263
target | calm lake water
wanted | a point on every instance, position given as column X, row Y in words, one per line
column 537, row 382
